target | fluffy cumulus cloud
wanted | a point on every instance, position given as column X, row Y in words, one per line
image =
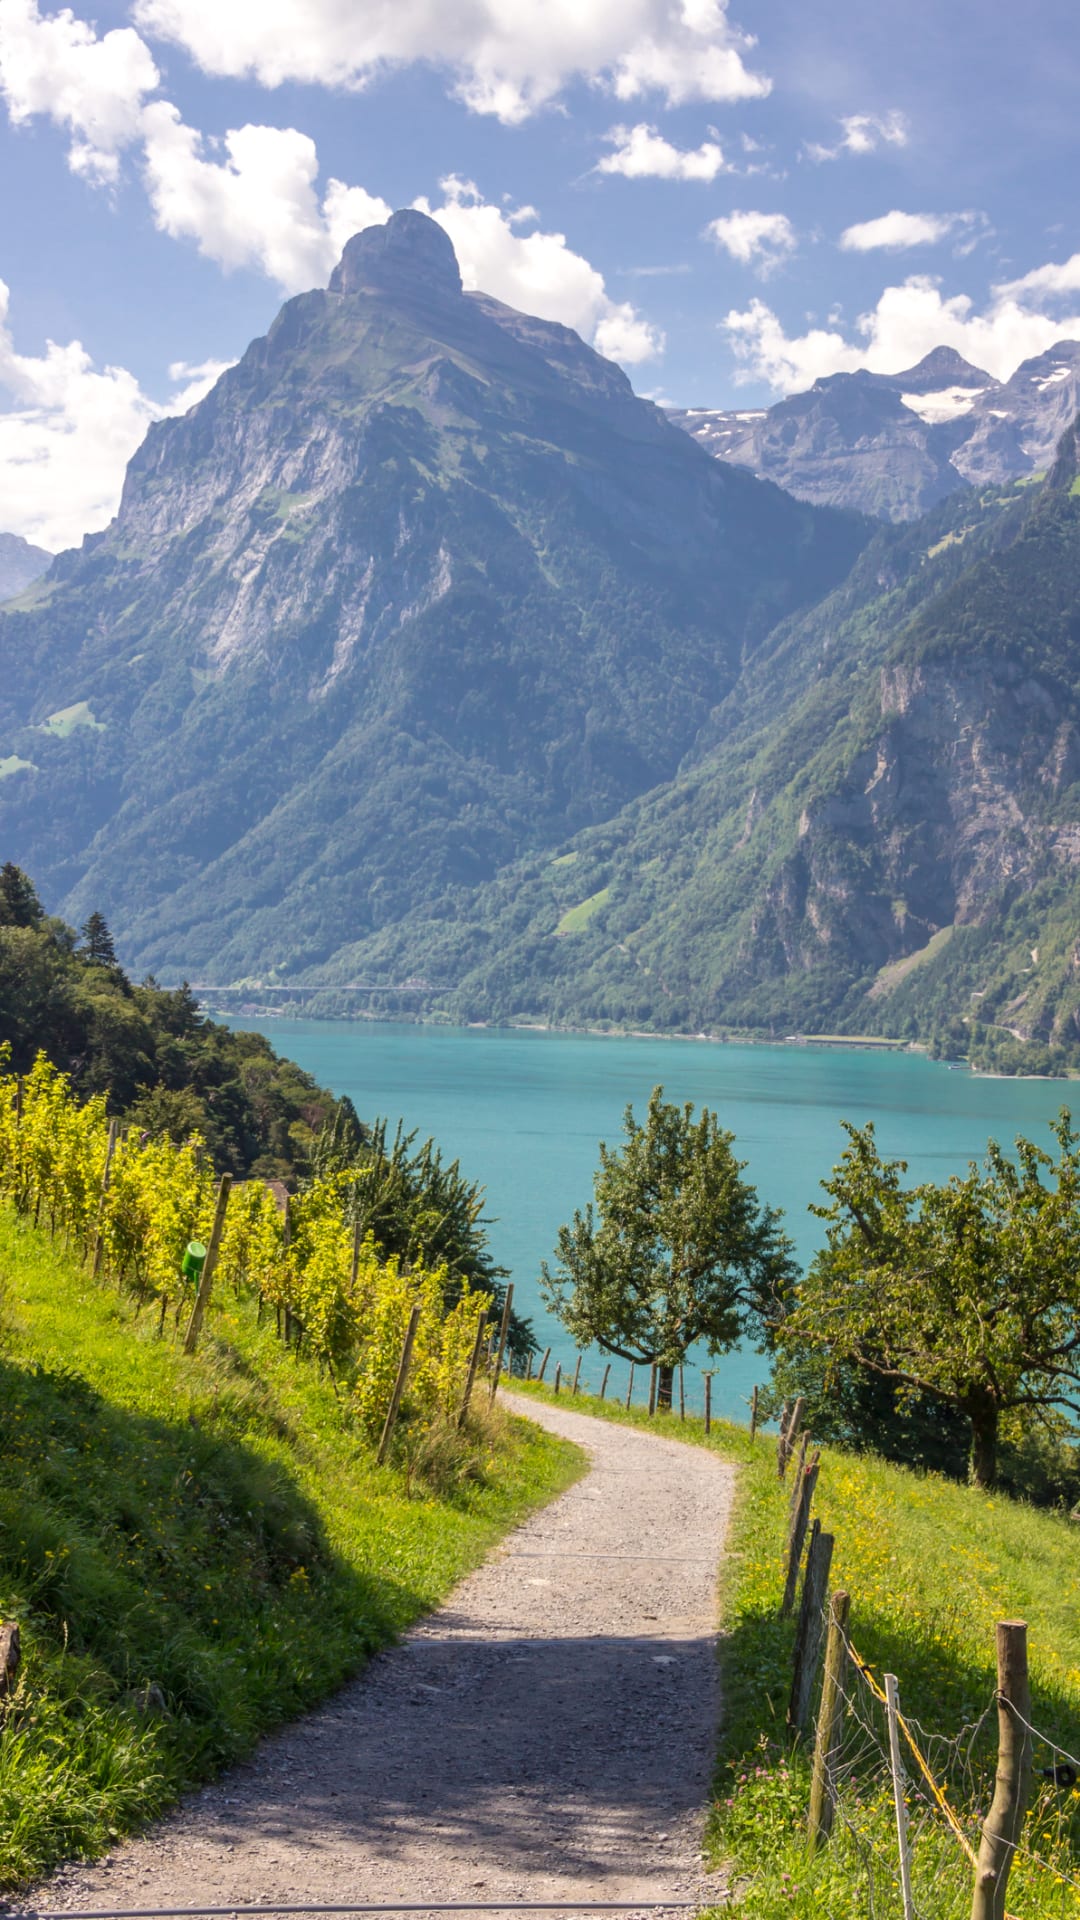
column 254, row 204
column 538, row 272
column 862, row 133
column 758, row 240
column 93, row 87
column 894, row 232
column 642, row 153
column 906, row 324
column 506, row 60
column 67, row 431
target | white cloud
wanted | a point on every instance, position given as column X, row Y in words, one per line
column 94, row 88
column 257, row 206
column 862, row 133
column 895, row 231
column 508, row 59
column 67, row 433
column 1048, row 282
column 905, row 325
column 759, row 240
column 538, row 273
column 641, row 153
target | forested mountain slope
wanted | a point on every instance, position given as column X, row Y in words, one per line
column 419, row 587
column 884, row 834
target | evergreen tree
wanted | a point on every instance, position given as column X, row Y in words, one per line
column 97, row 946
column 19, row 904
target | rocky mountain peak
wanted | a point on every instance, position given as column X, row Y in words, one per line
column 944, row 367
column 409, row 252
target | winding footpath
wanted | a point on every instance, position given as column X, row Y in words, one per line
column 547, row 1734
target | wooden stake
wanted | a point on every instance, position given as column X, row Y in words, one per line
column 753, row 1416
column 1001, row 1829
column 708, row 1403
column 604, row 1381
column 796, row 1483
column 652, row 1390
column 399, row 1387
column 206, row 1277
column 810, row 1630
column 800, row 1520
column 10, row 1655
column 829, row 1723
column 558, row 1375
column 543, row 1363
column 682, row 1395
column 503, row 1328
column 577, row 1375
column 474, row 1362
column 903, row 1839
column 528, row 1369
column 99, row 1237
column 630, row 1387
column 788, row 1436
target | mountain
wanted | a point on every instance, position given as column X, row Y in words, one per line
column 893, row 445
column 879, row 832
column 421, row 586
column 20, row 564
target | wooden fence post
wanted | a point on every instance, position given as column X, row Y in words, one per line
column 474, row 1362
column 558, row 1375
column 577, row 1376
column 604, row 1381
column 99, row 1237
column 206, row 1277
column 829, row 1723
column 630, row 1388
column 652, row 1390
column 796, row 1483
column 808, row 1633
column 708, row 1403
column 800, row 1520
column 903, row 1841
column 10, row 1655
column 543, row 1364
column 788, row 1436
column 682, row 1394
column 1001, row 1828
column 503, row 1329
column 753, row 1416
column 399, row 1387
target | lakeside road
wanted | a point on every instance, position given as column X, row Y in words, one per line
column 548, row 1734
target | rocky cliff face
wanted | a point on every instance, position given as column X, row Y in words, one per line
column 894, row 445
column 420, row 584
column 21, row 564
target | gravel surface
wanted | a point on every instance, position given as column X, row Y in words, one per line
column 548, row 1734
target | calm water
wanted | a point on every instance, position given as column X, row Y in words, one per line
column 524, row 1111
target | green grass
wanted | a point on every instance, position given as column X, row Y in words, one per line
column 576, row 919
column 12, row 763
column 69, row 719
column 196, row 1550
column 931, row 1566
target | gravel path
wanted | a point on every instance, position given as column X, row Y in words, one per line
column 548, row 1734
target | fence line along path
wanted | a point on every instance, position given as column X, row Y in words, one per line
column 548, row 1734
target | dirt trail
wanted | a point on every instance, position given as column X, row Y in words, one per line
column 548, row 1734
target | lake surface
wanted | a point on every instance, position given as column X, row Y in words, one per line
column 523, row 1112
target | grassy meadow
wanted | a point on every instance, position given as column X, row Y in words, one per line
column 197, row 1549
column 931, row 1566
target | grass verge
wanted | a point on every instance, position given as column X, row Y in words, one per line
column 930, row 1566
column 196, row 1549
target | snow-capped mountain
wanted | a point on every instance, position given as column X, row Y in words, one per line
column 894, row 444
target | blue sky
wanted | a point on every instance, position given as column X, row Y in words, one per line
column 732, row 202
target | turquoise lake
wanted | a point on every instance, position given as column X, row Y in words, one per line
column 523, row 1112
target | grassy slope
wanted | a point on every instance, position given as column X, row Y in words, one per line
column 207, row 1529
column 931, row 1566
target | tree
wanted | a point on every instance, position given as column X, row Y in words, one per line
column 678, row 1249
column 967, row 1292
column 97, row 946
column 19, row 904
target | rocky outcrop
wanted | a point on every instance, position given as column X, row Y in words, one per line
column 21, row 564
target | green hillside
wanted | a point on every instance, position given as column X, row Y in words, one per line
column 198, row 1548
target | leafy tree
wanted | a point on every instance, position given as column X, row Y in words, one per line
column 678, row 1248
column 968, row 1292
column 97, row 946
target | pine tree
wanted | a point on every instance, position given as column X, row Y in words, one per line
column 19, row 904
column 97, row 945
